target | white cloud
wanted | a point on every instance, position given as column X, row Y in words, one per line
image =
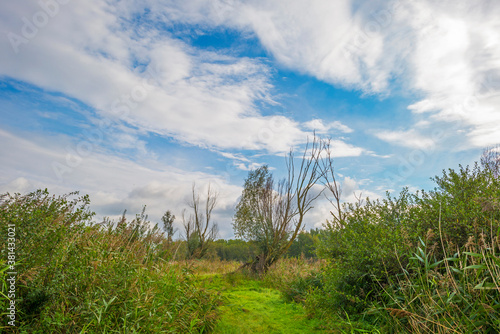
column 233, row 156
column 248, row 167
column 200, row 97
column 338, row 42
column 321, row 128
column 410, row 138
column 455, row 65
column 19, row 185
column 113, row 183
column 449, row 51
column 317, row 38
column 325, row 39
column 342, row 149
column 446, row 52
column 90, row 52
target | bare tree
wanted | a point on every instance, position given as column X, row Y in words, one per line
column 332, row 186
column 490, row 159
column 199, row 229
column 272, row 214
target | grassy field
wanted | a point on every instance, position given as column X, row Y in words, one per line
column 252, row 304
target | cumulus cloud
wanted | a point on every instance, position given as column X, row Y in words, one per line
column 146, row 78
column 321, row 128
column 114, row 184
column 444, row 52
column 342, row 149
column 410, row 138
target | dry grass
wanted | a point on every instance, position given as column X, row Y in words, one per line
column 285, row 271
column 208, row 267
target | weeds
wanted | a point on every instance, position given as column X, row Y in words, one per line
column 457, row 294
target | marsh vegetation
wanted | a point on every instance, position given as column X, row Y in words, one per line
column 424, row 262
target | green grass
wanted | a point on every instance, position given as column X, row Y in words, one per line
column 250, row 307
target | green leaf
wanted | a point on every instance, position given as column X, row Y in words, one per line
column 418, row 258
column 486, row 286
column 435, row 264
column 473, row 254
column 476, row 266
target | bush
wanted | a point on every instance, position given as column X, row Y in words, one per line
column 364, row 251
column 465, row 202
column 78, row 276
column 457, row 294
column 374, row 245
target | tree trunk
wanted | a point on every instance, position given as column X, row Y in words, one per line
column 260, row 264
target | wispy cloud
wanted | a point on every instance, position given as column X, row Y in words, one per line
column 456, row 65
column 202, row 98
column 321, row 128
column 410, row 138
column 446, row 52
column 114, row 184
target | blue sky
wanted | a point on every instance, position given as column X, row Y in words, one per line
column 133, row 101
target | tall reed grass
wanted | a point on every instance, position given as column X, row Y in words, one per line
column 458, row 293
column 77, row 276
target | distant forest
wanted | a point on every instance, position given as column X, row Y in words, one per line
column 240, row 250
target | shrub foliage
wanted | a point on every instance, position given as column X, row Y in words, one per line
column 424, row 263
column 75, row 275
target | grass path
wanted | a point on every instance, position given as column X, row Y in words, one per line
column 250, row 307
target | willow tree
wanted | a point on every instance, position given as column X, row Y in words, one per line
column 272, row 213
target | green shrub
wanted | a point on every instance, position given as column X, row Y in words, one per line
column 78, row 276
column 457, row 294
column 465, row 202
column 364, row 251
column 373, row 246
